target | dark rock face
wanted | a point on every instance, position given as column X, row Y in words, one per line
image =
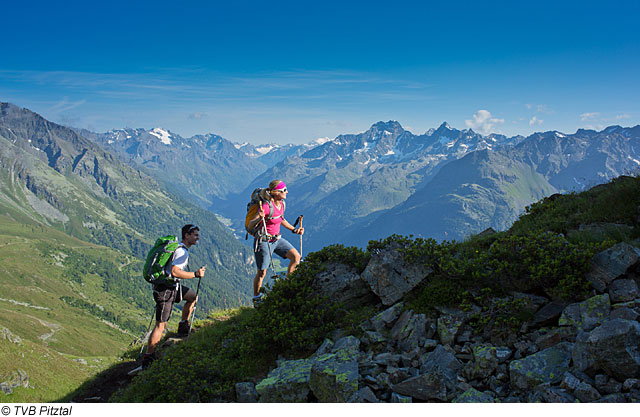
column 614, row 348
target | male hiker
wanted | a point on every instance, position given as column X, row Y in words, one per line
column 166, row 295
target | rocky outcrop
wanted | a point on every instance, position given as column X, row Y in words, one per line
column 390, row 277
column 580, row 352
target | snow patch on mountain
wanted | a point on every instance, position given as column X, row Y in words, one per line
column 161, row 134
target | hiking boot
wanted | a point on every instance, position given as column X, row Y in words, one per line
column 257, row 301
column 183, row 328
column 148, row 359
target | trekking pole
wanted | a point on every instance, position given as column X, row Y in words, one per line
column 193, row 315
column 146, row 335
column 299, row 219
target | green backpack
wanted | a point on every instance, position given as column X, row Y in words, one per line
column 159, row 256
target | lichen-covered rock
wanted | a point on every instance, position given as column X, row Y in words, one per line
column 611, row 263
column 588, row 314
column 397, row 398
column 622, row 290
column 484, row 363
column 417, row 329
column 334, row 376
column 547, row 366
column 382, row 321
column 614, row 348
column 390, row 277
column 449, row 324
column 289, row 382
column 472, row 395
column 246, row 392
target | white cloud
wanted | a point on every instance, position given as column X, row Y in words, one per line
column 588, row 116
column 483, row 122
column 623, row 116
column 197, row 115
column 535, row 121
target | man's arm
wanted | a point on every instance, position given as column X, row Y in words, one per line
column 179, row 273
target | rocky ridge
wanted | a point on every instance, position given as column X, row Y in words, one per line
column 579, row 352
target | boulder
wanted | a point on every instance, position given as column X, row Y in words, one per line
column 430, row 386
column 382, row 321
column 484, row 363
column 417, row 329
column 390, row 277
column 614, row 348
column 364, row 395
column 547, row 366
column 624, row 313
column 472, row 395
column 246, row 392
column 397, row 398
column 449, row 324
column 582, row 359
column 548, row 315
column 586, row 393
column 588, row 314
column 611, row 264
column 289, row 382
column 342, row 283
column 554, row 336
column 334, row 376
column 623, row 290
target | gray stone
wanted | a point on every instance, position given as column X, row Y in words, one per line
column 449, row 326
column 586, row 393
column 334, row 377
column 349, row 345
column 582, row 359
column 246, row 392
column 430, row 386
column 623, row 290
column 342, row 283
column 613, row 398
column 429, row 344
column 7, row 335
column 547, row 366
column 472, row 395
column 625, row 313
column 364, row 395
column 606, row 385
column 614, row 346
column 569, row 381
column 554, row 336
column 390, row 277
column 6, row 388
column 373, row 338
column 631, row 384
column 503, row 353
column 588, row 314
column 611, row 264
column 397, row 398
column 548, row 315
column 289, row 382
column 485, row 362
column 417, row 329
column 551, row 394
column 386, row 359
column 385, row 319
column 325, row 347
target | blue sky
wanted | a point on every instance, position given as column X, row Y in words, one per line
column 291, row 72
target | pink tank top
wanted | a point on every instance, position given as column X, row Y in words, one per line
column 273, row 225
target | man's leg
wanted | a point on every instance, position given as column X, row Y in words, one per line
column 155, row 336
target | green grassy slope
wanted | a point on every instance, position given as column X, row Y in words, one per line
column 53, row 300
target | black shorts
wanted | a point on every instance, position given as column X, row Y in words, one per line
column 166, row 296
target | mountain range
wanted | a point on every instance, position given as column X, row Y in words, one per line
column 445, row 183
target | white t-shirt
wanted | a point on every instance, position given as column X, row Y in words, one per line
column 180, row 259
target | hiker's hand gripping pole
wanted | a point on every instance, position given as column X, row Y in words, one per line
column 300, row 231
column 201, row 272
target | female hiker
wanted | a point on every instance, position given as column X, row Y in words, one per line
column 273, row 243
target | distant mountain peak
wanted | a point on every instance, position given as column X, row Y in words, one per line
column 390, row 126
column 445, row 125
column 163, row 135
